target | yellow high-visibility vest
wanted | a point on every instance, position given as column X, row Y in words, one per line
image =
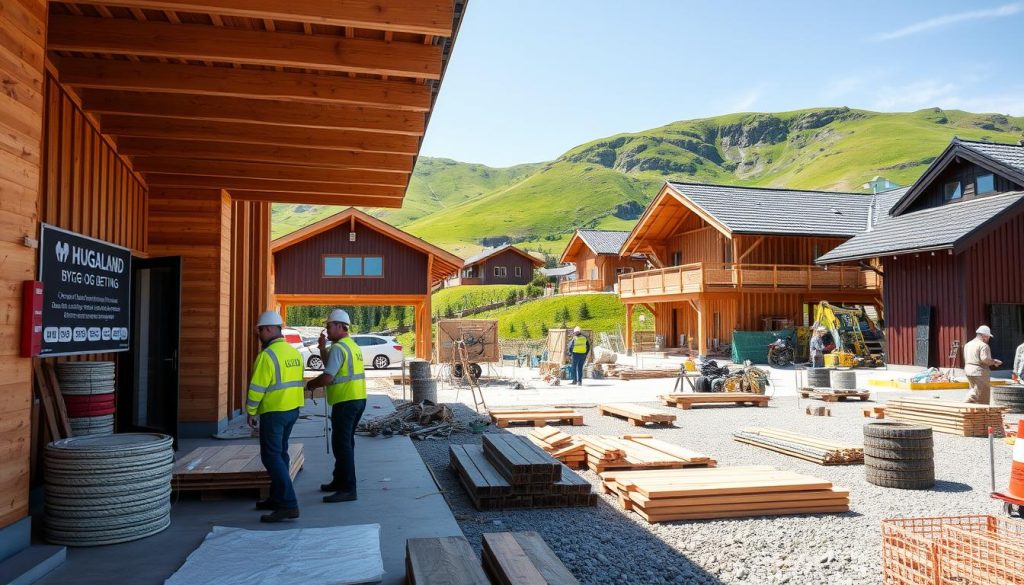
column 350, row 382
column 579, row 344
column 276, row 384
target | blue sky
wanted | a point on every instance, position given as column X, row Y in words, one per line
column 530, row 79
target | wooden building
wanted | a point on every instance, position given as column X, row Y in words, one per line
column 598, row 264
column 951, row 248
column 502, row 265
column 168, row 127
column 739, row 258
column 352, row 258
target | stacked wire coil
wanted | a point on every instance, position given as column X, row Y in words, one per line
column 88, row 390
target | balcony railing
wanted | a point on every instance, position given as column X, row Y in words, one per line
column 702, row 277
column 577, row 286
column 461, row 280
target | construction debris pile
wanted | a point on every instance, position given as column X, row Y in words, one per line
column 812, row 449
column 419, row 420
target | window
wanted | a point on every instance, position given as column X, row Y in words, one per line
column 519, row 270
column 500, row 271
column 332, row 266
column 593, row 274
column 985, row 184
column 624, row 270
column 952, row 190
column 373, row 266
column 353, row 266
column 677, row 258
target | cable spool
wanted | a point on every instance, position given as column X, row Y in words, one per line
column 844, row 379
column 85, row 378
column 424, row 390
column 107, row 489
column 84, row 405
column 1010, row 396
column 419, row 370
column 819, row 377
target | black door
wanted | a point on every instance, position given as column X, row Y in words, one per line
column 922, row 336
column 150, row 401
column 1007, row 322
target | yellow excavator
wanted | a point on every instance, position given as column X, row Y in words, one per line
column 857, row 338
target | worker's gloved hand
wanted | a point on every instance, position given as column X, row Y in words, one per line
column 251, row 421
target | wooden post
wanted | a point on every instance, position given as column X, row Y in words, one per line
column 628, row 341
column 428, row 337
column 702, row 336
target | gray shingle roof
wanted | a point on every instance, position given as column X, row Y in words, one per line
column 1011, row 155
column 488, row 252
column 749, row 210
column 559, row 270
column 929, row 229
column 603, row 242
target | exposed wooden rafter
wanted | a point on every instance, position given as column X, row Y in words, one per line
column 248, row 184
column 270, row 172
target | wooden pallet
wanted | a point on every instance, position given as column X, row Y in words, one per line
column 446, row 560
column 539, row 417
column 522, row 558
column 560, row 446
column 211, row 471
column 724, row 492
column 637, row 415
column 813, row 449
column 835, row 395
column 688, row 399
column 947, row 416
column 639, row 452
column 874, row 412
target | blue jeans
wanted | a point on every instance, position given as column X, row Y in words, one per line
column 578, row 360
column 275, row 428
column 344, row 418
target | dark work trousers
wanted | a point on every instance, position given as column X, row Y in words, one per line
column 344, row 418
column 275, row 428
column 578, row 360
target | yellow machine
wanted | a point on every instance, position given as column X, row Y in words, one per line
column 847, row 327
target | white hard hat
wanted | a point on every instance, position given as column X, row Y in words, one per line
column 822, row 330
column 984, row 330
column 339, row 316
column 269, row 318
column 576, row 330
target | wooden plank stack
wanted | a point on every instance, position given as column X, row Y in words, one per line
column 210, row 470
column 833, row 395
column 723, row 492
column 538, row 416
column 813, row 449
column 686, row 400
column 560, row 446
column 447, row 560
column 508, row 471
column 523, row 558
column 648, row 374
column 638, row 452
column 637, row 415
column 947, row 416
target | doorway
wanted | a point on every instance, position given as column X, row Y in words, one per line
column 1007, row 331
column 150, row 402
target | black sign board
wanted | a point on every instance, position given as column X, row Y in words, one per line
column 86, row 292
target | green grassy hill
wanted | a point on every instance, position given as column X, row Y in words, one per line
column 607, row 315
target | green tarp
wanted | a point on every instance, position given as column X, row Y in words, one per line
column 753, row 345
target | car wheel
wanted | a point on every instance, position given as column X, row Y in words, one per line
column 380, row 362
column 476, row 371
column 314, row 363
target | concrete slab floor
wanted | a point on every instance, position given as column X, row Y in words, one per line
column 395, row 490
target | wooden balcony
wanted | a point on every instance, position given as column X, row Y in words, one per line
column 580, row 286
column 701, row 277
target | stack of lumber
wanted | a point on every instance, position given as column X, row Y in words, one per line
column 538, row 416
column 212, row 470
column 831, row 395
column 447, row 560
column 812, row 449
column 638, row 452
column 521, row 558
column 722, row 492
column 685, row 400
column 947, row 416
column 560, row 446
column 630, row 373
column 637, row 415
column 508, row 471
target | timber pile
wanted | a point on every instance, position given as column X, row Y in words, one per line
column 210, row 470
column 723, row 492
column 637, row 415
column 538, row 416
column 830, row 395
column 687, row 399
column 638, row 452
column 813, row 449
column 523, row 558
column 507, row 471
column 447, row 560
column 630, row 373
column 560, row 446
column 947, row 416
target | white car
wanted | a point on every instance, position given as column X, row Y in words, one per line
column 379, row 351
column 307, row 347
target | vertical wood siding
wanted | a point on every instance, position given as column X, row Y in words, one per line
column 924, row 280
column 965, row 172
column 250, row 263
column 994, row 274
column 509, row 260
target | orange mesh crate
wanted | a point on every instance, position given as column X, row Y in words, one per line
column 953, row 550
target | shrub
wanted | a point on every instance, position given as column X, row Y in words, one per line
column 584, row 312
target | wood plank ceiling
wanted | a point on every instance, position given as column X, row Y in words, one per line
column 298, row 101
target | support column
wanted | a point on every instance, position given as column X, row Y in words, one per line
column 702, row 334
column 428, row 335
column 628, row 341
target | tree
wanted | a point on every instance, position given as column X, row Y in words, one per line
column 524, row 330
column 511, row 327
column 400, row 316
column 584, row 311
column 544, row 329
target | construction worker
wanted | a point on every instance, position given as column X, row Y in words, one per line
column 1018, row 364
column 346, row 394
column 275, row 395
column 817, row 348
column 577, row 350
column 978, row 362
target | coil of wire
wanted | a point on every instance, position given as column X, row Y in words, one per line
column 88, row 389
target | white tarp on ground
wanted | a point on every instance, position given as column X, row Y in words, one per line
column 341, row 555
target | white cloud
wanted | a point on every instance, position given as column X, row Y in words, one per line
column 920, row 94
column 930, row 93
column 949, row 19
column 746, row 102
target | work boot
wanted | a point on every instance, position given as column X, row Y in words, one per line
column 280, row 515
column 340, row 497
column 329, row 487
column 266, row 504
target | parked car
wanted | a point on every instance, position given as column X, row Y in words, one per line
column 379, row 351
column 307, row 347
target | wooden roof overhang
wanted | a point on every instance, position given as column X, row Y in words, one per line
column 443, row 264
column 302, row 101
column 572, row 248
column 661, row 220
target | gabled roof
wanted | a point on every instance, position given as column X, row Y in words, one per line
column 445, row 263
column 559, row 270
column 485, row 254
column 600, row 242
column 947, row 227
column 1004, row 159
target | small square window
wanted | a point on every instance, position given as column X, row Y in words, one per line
column 373, row 266
column 353, row 266
column 952, row 190
column 500, row 271
column 332, row 266
column 985, row 184
column 519, row 270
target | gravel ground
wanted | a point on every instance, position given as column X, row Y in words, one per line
column 609, row 545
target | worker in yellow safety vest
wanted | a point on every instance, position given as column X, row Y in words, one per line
column 275, row 396
column 577, row 350
column 346, row 394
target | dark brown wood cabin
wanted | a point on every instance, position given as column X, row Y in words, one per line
column 502, row 265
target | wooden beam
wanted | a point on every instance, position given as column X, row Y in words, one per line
column 245, row 184
column 752, row 247
column 428, row 17
column 142, row 127
column 233, row 109
column 265, row 153
column 341, row 199
column 254, row 47
column 242, row 83
column 270, row 172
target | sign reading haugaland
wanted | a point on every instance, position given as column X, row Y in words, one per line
column 86, row 293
